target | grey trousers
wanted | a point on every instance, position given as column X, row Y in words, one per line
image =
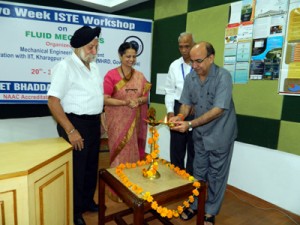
column 213, row 167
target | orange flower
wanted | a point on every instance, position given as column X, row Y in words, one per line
column 153, row 155
column 175, row 213
column 139, row 163
column 154, row 205
column 186, row 204
column 159, row 209
column 191, row 199
column 150, row 141
column 139, row 190
column 195, row 192
column 169, row 214
column 118, row 171
column 164, row 212
column 150, row 173
column 149, row 159
column 150, row 199
column 127, row 183
column 180, row 209
column 176, row 169
column 121, row 166
column 196, row 184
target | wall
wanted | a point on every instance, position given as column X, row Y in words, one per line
column 264, row 118
column 23, row 129
column 269, row 124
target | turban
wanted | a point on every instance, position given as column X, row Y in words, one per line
column 84, row 35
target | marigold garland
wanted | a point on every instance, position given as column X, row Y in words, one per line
column 163, row 211
column 153, row 158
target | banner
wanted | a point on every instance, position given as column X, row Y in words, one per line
column 35, row 38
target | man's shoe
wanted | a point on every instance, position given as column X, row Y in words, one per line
column 92, row 208
column 78, row 220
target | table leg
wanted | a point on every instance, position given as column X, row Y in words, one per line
column 138, row 212
column 201, row 204
column 101, row 201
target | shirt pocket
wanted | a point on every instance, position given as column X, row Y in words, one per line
column 210, row 98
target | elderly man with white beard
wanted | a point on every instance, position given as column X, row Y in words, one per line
column 75, row 99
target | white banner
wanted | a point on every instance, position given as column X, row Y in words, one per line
column 35, row 38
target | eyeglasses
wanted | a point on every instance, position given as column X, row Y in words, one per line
column 199, row 61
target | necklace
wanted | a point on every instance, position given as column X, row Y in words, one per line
column 131, row 73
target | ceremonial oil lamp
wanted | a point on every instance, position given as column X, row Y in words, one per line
column 152, row 171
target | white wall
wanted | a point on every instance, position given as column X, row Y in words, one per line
column 266, row 173
column 269, row 174
column 12, row 130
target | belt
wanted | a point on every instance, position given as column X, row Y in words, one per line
column 85, row 117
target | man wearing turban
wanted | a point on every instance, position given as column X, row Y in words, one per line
column 75, row 99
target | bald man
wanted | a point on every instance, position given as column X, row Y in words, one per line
column 209, row 90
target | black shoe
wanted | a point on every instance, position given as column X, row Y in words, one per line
column 188, row 214
column 92, row 208
column 210, row 219
column 78, row 220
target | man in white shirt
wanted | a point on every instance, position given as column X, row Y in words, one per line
column 181, row 143
column 75, row 99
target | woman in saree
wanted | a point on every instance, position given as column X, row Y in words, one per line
column 126, row 93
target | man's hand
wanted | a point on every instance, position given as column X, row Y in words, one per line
column 76, row 140
column 180, row 126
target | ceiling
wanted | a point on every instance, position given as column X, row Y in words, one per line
column 107, row 5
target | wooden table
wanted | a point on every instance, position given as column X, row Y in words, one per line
column 167, row 189
column 36, row 182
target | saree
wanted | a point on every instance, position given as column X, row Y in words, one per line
column 126, row 128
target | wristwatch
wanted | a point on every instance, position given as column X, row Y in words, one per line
column 190, row 126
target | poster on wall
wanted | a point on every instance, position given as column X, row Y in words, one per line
column 35, row 38
column 262, row 27
column 289, row 80
column 268, row 34
column 238, row 36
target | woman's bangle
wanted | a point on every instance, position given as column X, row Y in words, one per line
column 181, row 116
column 71, row 131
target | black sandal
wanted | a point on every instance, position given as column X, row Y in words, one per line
column 210, row 219
column 189, row 214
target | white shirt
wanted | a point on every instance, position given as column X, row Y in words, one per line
column 174, row 82
column 79, row 89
